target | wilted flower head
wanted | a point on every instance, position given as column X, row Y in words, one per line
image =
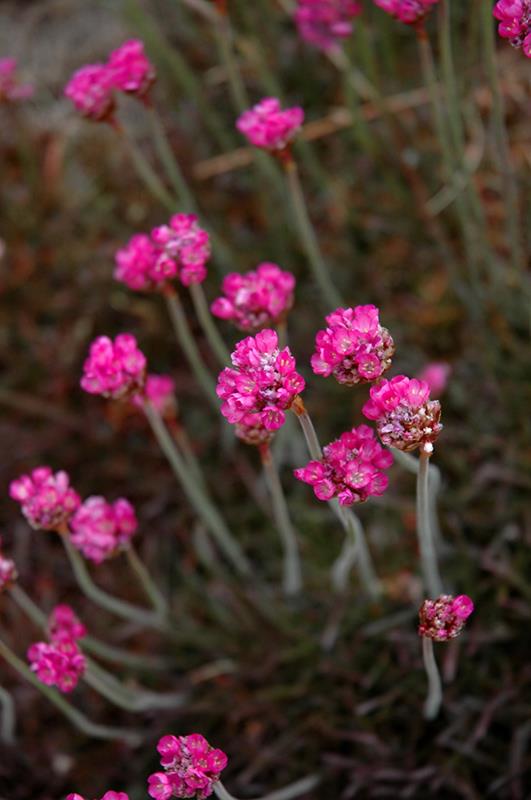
column 445, row 617
column 46, row 499
column 131, row 70
column 135, row 263
column 114, row 369
column 8, row 571
column 59, row 663
column 436, row 376
column 183, row 250
column 106, row 796
column 160, row 391
column 324, row 23
column 91, row 91
column 191, row 768
column 354, row 348
column 264, row 381
column 515, row 23
column 255, row 299
column 351, row 468
column 10, row 89
column 64, row 625
column 100, row 529
column 405, row 416
column 409, row 11
column 269, row 127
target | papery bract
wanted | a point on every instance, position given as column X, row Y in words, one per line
column 131, row 70
column 114, row 369
column 100, row 529
column 256, row 299
column 46, row 498
column 515, row 23
column 10, row 89
column 324, row 23
column 444, row 618
column 91, row 91
column 409, row 11
column 191, row 768
column 268, row 126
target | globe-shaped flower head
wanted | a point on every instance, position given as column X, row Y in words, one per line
column 191, row 768
column 412, row 12
column 270, row 127
column 324, row 23
column 46, row 498
column 515, row 23
column 114, row 369
column 445, row 617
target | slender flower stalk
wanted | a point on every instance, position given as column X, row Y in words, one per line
column 208, row 325
column 411, row 464
column 288, row 792
column 183, row 193
column 428, row 555
column 7, row 717
column 185, row 446
column 136, row 700
column 433, row 700
column 146, row 581
column 146, row 172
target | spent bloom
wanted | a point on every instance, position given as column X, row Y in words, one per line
column 59, row 663
column 91, row 91
column 411, row 12
column 405, row 416
column 515, row 23
column 323, row 23
column 114, row 369
column 160, row 391
column 191, row 768
column 251, row 430
column 354, row 348
column 183, row 250
column 268, row 126
column 10, row 89
column 259, row 298
column 352, row 468
column 131, row 70
column 445, row 617
column 436, row 376
column 107, row 796
column 46, row 498
column 101, row 529
column 64, row 625
column 264, row 381
column 8, row 571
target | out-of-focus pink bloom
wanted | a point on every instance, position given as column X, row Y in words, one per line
column 351, row 468
column 436, row 376
column 107, row 796
column 160, row 391
column 405, row 416
column 64, row 625
column 46, row 499
column 135, row 263
column 8, row 571
column 10, row 89
column 60, row 663
column 183, row 251
column 409, row 11
column 91, row 91
column 515, row 23
column 264, row 381
column 114, row 369
column 257, row 298
column 100, row 529
column 131, row 70
column 445, row 617
column 354, row 348
column 268, row 126
column 192, row 768
column 251, row 431
column 324, row 23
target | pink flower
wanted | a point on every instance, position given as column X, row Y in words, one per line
column 264, row 381
column 436, row 376
column 135, row 263
column 409, row 11
column 183, row 250
column 515, row 23
column 10, row 89
column 354, row 348
column 131, row 70
column 255, row 299
column 91, row 91
column 351, row 468
column 47, row 500
column 269, row 127
column 324, row 23
column 64, row 625
column 160, row 391
column 100, row 529
column 60, row 663
column 445, row 617
column 251, row 431
column 8, row 571
column 106, row 796
column 192, row 768
column 114, row 369
column 405, row 416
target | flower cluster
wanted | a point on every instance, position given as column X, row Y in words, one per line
column 60, row 661
column 107, row 796
column 323, row 23
column 100, row 529
column 8, row 571
column 405, row 416
column 445, row 617
column 269, row 127
column 91, row 88
column 114, row 369
column 411, row 12
column 251, row 430
column 255, row 299
column 351, row 468
column 515, row 23
column 10, row 89
column 178, row 250
column 191, row 768
column 160, row 391
column 46, row 499
column 354, row 348
column 436, row 376
column 264, row 381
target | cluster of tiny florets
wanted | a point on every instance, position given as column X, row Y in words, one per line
column 46, row 498
column 445, row 617
column 409, row 11
column 264, row 381
column 324, row 23
column 515, row 23
column 354, row 348
column 251, row 430
column 268, row 126
column 191, row 768
column 60, row 661
column 256, row 299
column 101, row 529
column 114, row 369
column 11, row 90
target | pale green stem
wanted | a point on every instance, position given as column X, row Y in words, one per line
column 146, row 581
column 448, row 71
column 428, row 556
column 197, row 494
column 185, row 446
column 79, row 720
column 223, row 32
column 27, row 605
column 136, row 699
column 170, row 163
column 287, row 793
column 146, row 172
column 191, row 351
column 308, row 239
column 433, row 700
column 8, row 720
column 292, row 575
column 411, row 464
column 208, row 325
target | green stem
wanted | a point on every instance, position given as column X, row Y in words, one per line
column 433, row 700
column 146, row 172
column 185, row 446
column 135, row 700
column 146, row 581
column 290, row 791
column 8, row 721
column 411, row 464
column 170, row 163
column 224, row 39
column 208, row 325
column 428, row 556
column 449, row 77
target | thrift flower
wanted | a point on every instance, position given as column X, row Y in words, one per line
column 354, row 348
column 405, row 416
column 91, row 91
column 100, row 529
column 436, row 376
column 64, row 625
column 251, row 431
column 135, row 263
column 10, row 89
column 351, row 468
column 515, row 23
column 256, row 299
column 131, row 70
column 183, row 251
column 269, row 127
column 60, row 663
column 106, row 796
column 445, row 617
column 114, row 369
column 264, row 381
column 160, row 391
column 191, row 768
column 46, row 499
column 411, row 12
column 324, row 23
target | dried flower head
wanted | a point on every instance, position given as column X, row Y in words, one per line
column 11, row 91
column 270, row 127
column 411, row 12
column 101, row 529
column 445, row 617
column 251, row 431
column 114, row 369
column 91, row 90
column 515, row 23
column 131, row 70
column 183, row 251
column 191, row 768
column 46, row 499
column 324, row 23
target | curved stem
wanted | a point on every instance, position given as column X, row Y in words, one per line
column 360, row 551
column 135, row 700
column 8, row 720
column 27, row 605
column 433, row 700
column 208, row 325
column 428, row 556
column 178, row 431
column 411, row 464
column 146, row 581
column 146, row 172
column 287, row 793
column 169, row 162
